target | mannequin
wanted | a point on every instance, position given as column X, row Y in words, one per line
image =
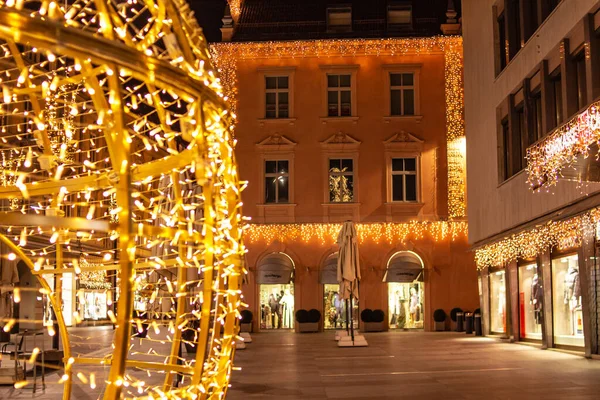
column 274, row 308
column 414, row 304
column 288, row 311
column 572, row 287
column 536, row 298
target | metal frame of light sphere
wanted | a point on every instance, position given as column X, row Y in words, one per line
column 138, row 117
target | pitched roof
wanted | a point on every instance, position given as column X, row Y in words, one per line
column 262, row 20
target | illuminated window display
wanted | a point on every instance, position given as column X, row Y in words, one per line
column 94, row 307
column 498, row 302
column 335, row 308
column 530, row 302
column 405, row 305
column 566, row 302
column 277, row 306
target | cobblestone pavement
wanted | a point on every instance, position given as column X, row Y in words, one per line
column 396, row 365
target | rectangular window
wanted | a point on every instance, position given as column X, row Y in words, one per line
column 505, row 150
column 530, row 17
column 519, row 130
column 557, row 101
column 277, row 181
column 277, row 97
column 399, row 14
column 514, row 27
column 339, row 95
column 404, row 179
column 502, row 53
column 339, row 19
column 566, row 302
column 402, row 94
column 341, row 180
column 580, row 83
column 535, row 132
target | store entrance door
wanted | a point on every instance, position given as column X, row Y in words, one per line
column 276, row 291
column 277, row 306
column 406, row 293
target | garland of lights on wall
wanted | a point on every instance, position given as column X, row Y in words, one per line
column 327, row 234
column 562, row 235
column 228, row 55
column 546, row 159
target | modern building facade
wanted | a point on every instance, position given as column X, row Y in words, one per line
column 532, row 79
column 350, row 111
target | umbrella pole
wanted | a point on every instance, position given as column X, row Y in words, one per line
column 351, row 320
column 347, row 328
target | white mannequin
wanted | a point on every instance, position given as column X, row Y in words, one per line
column 288, row 300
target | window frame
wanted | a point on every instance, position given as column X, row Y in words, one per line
column 277, row 91
column 341, row 173
column 276, row 175
column 390, row 177
column 338, row 9
column 414, row 69
column 339, row 89
column 327, row 70
column 399, row 6
column 264, row 73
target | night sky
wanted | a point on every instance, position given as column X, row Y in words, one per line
column 209, row 14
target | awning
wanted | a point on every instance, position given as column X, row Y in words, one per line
column 275, row 269
column 404, row 268
column 329, row 271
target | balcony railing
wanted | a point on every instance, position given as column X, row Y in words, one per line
column 565, row 147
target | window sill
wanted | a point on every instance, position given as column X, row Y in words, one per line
column 325, row 120
column 400, row 209
column 272, row 213
column 263, row 121
column 398, row 118
column 277, row 205
column 340, row 212
column 339, row 204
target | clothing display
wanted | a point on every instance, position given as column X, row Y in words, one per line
column 572, row 287
column 277, row 306
column 536, row 299
column 405, row 305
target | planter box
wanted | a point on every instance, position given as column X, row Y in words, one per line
column 308, row 327
column 246, row 327
column 374, row 326
column 440, row 326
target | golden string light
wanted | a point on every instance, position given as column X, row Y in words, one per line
column 563, row 235
column 557, row 151
column 115, row 139
column 377, row 232
column 227, row 56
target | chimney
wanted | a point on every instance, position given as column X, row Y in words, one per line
column 452, row 25
column 227, row 29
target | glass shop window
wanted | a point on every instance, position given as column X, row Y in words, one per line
column 498, row 302
column 530, row 302
column 566, row 302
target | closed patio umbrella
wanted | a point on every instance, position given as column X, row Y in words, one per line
column 348, row 268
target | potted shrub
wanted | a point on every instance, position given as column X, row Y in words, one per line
column 246, row 322
column 439, row 317
column 373, row 320
column 308, row 321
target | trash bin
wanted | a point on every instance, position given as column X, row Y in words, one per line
column 478, row 330
column 459, row 322
column 469, row 323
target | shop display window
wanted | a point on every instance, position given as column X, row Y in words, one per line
column 334, row 307
column 530, row 302
column 566, row 302
column 498, row 302
column 277, row 306
column 405, row 302
column 94, row 307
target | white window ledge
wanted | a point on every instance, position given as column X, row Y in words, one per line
column 339, row 119
column 398, row 118
column 401, row 209
column 263, row 121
